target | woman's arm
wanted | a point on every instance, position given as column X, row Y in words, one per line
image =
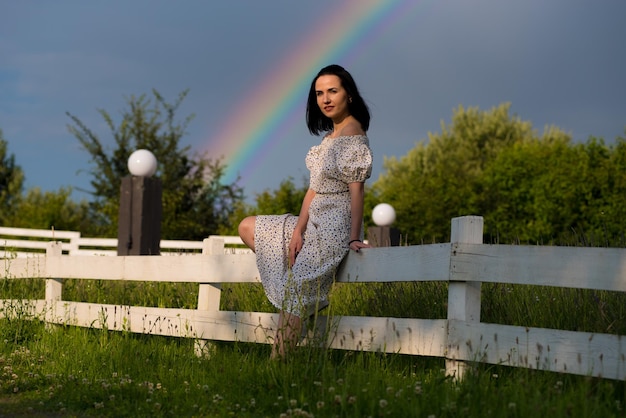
column 296, row 239
column 357, row 193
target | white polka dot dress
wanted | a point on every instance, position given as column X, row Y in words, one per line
column 301, row 290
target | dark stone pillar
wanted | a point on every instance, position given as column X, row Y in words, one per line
column 139, row 224
column 383, row 236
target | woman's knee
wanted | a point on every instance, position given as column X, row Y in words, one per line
column 246, row 230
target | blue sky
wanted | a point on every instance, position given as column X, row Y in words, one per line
column 558, row 62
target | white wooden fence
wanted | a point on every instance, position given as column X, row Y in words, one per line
column 23, row 242
column 464, row 263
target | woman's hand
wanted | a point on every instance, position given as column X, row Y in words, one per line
column 356, row 245
column 294, row 247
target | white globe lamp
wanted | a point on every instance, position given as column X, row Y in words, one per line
column 383, row 214
column 142, row 163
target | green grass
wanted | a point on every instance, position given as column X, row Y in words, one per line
column 83, row 372
column 66, row 371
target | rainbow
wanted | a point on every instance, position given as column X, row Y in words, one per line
column 264, row 115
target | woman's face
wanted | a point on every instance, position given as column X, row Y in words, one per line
column 332, row 98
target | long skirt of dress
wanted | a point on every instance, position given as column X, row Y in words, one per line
column 303, row 288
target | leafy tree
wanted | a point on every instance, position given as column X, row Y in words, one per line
column 195, row 202
column 46, row 210
column 442, row 179
column 11, row 183
column 534, row 190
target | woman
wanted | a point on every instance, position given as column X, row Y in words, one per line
column 297, row 256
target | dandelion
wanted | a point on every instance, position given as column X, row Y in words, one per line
column 331, row 389
column 389, row 390
column 418, row 389
column 317, row 383
column 382, row 403
column 337, row 399
column 340, row 381
column 293, row 403
column 98, row 405
column 512, row 405
column 352, row 400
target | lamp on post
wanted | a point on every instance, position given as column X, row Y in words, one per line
column 383, row 235
column 139, row 224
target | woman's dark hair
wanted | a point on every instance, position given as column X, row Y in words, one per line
column 315, row 119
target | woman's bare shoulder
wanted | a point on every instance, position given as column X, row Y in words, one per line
column 352, row 129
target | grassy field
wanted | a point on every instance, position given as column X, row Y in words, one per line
column 54, row 371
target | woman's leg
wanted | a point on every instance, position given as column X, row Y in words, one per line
column 246, row 231
column 287, row 335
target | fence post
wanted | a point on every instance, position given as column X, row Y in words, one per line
column 463, row 297
column 54, row 287
column 209, row 294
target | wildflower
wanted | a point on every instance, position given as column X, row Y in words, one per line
column 98, row 405
column 418, row 389
column 389, row 390
column 337, row 399
column 352, row 400
column 293, row 402
column 320, row 404
column 340, row 381
column 382, row 403
column 331, row 389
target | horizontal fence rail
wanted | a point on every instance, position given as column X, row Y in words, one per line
column 23, row 242
column 464, row 264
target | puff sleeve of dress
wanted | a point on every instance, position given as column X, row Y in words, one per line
column 354, row 159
